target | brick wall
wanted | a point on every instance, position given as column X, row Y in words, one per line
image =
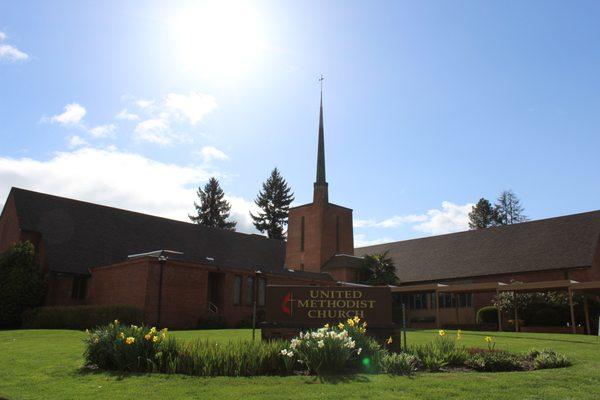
column 322, row 221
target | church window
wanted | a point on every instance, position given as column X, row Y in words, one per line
column 250, row 290
column 237, row 290
column 302, row 234
column 79, row 288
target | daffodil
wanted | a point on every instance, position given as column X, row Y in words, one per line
column 488, row 339
column 155, row 339
column 121, row 335
column 116, row 322
column 148, row 336
column 389, row 340
column 442, row 333
column 341, row 326
column 458, row 334
column 356, row 319
column 350, row 322
column 130, row 340
column 326, row 326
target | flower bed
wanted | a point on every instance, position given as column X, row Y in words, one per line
column 344, row 348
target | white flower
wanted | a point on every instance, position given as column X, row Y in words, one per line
column 320, row 344
column 351, row 344
column 359, row 350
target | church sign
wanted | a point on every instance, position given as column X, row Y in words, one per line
column 311, row 306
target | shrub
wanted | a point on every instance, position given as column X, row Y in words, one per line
column 371, row 354
column 125, row 348
column 139, row 349
column 494, row 361
column 324, row 351
column 22, row 283
column 212, row 321
column 242, row 358
column 547, row 317
column 443, row 351
column 487, row 315
column 80, row 317
column 400, row 363
column 548, row 358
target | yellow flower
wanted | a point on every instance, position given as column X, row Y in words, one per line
column 155, row 339
column 350, row 322
column 389, row 340
column 488, row 339
column 364, row 325
column 442, row 333
column 121, row 335
column 356, row 319
column 458, row 334
column 116, row 322
column 130, row 340
column 153, row 330
column 326, row 326
column 148, row 336
column 341, row 326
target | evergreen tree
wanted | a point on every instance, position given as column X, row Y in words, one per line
column 274, row 200
column 379, row 269
column 508, row 209
column 22, row 283
column 213, row 209
column 481, row 215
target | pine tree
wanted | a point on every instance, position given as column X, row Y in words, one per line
column 274, row 200
column 481, row 215
column 508, row 209
column 213, row 210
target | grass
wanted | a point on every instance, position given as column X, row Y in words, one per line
column 45, row 364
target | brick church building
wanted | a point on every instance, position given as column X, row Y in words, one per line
column 87, row 251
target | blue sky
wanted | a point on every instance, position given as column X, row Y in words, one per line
column 428, row 105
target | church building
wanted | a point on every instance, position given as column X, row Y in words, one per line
column 99, row 255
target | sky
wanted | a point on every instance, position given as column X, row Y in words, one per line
column 428, row 106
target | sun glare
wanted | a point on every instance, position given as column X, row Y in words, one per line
column 218, row 38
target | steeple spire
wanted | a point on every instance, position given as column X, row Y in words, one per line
column 320, row 190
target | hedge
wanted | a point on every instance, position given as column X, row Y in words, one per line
column 487, row 315
column 80, row 317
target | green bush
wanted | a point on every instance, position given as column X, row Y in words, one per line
column 487, row 315
column 548, row 358
column 369, row 358
column 140, row 349
column 212, row 321
column 22, row 283
column 546, row 317
column 80, row 317
column 400, row 363
column 125, row 348
column 443, row 351
column 494, row 361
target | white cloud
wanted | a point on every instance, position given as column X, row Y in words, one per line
column 360, row 240
column 10, row 53
column 451, row 218
column 126, row 115
column 142, row 103
column 210, row 153
column 77, row 141
column 103, row 131
column 193, row 106
column 119, row 179
column 155, row 130
column 72, row 115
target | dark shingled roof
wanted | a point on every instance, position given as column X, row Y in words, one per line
column 570, row 241
column 342, row 261
column 78, row 235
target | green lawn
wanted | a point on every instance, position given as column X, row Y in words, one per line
column 45, row 364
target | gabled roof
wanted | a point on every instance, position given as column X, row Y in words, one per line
column 78, row 235
column 342, row 261
column 571, row 241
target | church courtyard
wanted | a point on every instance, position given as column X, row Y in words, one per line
column 42, row 364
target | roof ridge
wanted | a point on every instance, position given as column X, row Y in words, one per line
column 474, row 231
column 17, row 189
